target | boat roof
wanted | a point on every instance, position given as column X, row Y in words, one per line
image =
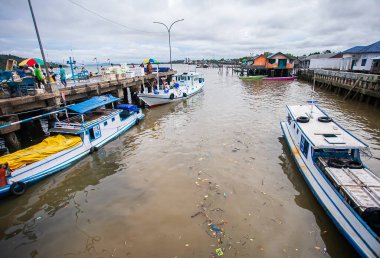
column 188, row 74
column 323, row 135
column 92, row 103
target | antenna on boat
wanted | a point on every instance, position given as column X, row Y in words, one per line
column 312, row 101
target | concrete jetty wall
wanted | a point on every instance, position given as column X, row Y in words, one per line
column 354, row 86
column 17, row 108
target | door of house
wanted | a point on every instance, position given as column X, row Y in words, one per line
column 353, row 64
column 281, row 63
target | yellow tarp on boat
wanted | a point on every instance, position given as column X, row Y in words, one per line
column 46, row 148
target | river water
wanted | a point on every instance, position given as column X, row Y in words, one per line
column 218, row 157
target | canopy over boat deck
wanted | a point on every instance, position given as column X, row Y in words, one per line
column 93, row 103
column 322, row 134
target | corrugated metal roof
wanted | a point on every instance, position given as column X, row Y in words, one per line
column 270, row 56
column 92, row 103
column 353, row 49
column 373, row 48
column 319, row 56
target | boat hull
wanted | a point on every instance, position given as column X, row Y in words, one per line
column 344, row 217
column 291, row 78
column 250, row 78
column 155, row 100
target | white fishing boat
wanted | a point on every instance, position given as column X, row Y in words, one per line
column 328, row 157
column 182, row 87
column 87, row 126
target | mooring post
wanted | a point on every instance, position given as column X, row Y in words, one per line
column 356, row 84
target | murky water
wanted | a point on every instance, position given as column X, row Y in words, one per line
column 219, row 156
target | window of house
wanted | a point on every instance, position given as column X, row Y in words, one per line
column 272, row 61
column 364, row 61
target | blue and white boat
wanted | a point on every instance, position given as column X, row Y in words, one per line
column 88, row 125
column 184, row 86
column 328, row 157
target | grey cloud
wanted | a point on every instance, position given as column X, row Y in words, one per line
column 211, row 28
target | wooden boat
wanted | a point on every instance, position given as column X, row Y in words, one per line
column 183, row 87
column 290, row 78
column 249, row 78
column 328, row 157
column 90, row 126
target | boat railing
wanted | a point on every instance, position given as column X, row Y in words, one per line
column 68, row 125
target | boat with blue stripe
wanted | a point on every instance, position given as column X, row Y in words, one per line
column 182, row 87
column 85, row 127
column 329, row 158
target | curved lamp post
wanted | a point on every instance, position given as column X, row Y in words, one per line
column 170, row 46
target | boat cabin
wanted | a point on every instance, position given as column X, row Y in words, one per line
column 189, row 78
column 318, row 135
column 94, row 117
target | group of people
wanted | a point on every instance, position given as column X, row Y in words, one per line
column 40, row 75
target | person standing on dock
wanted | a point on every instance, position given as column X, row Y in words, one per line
column 62, row 73
column 40, row 78
column 149, row 68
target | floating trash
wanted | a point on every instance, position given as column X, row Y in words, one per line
column 219, row 251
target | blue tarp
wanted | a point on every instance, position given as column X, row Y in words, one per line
column 128, row 107
column 92, row 103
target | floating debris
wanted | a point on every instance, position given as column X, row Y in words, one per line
column 219, row 251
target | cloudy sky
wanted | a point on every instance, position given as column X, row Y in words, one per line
column 123, row 30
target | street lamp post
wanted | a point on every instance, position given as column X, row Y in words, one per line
column 170, row 46
column 39, row 42
column 97, row 65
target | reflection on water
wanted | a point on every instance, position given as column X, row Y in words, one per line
column 135, row 196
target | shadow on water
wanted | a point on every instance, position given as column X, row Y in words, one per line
column 58, row 191
column 306, row 200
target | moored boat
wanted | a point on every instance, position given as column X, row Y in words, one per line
column 249, row 78
column 89, row 126
column 328, row 157
column 290, row 78
column 184, row 86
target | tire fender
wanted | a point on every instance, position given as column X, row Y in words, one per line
column 18, row 188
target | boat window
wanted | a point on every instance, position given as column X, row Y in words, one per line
column 304, row 146
column 195, row 78
column 113, row 119
column 297, row 130
column 200, row 80
column 188, row 78
column 183, row 78
column 124, row 115
column 94, row 133
column 294, row 126
column 289, row 119
column 105, row 123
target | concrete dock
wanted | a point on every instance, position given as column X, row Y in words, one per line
column 356, row 86
column 17, row 108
